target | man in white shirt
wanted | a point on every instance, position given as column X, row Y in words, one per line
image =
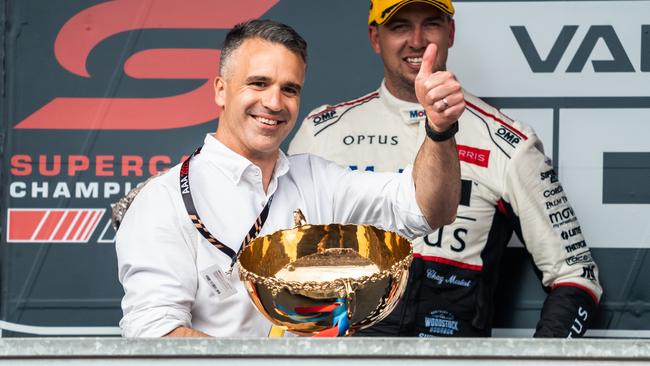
column 163, row 254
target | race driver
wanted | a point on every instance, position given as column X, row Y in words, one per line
column 508, row 184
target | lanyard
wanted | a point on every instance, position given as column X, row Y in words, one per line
column 198, row 223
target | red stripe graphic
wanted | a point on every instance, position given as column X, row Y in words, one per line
column 71, row 225
column 510, row 126
column 64, row 224
column 577, row 285
column 92, row 223
column 29, row 221
column 49, row 224
column 430, row 258
column 352, row 102
column 74, row 230
column 52, row 225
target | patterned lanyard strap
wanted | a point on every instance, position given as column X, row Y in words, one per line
column 198, row 223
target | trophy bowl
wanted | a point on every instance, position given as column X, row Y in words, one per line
column 326, row 280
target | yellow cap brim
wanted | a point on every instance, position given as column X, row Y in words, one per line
column 381, row 15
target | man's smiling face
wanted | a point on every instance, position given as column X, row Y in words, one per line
column 401, row 42
column 259, row 95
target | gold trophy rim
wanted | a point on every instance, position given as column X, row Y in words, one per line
column 341, row 287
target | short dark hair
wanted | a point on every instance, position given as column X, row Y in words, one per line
column 267, row 30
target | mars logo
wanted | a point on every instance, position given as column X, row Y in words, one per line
column 77, row 39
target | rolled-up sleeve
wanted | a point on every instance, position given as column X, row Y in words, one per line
column 156, row 264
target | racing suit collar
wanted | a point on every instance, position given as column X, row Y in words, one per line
column 410, row 113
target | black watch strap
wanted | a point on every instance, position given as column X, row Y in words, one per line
column 440, row 136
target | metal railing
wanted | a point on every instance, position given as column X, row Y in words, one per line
column 311, row 351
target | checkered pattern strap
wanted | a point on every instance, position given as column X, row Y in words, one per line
column 200, row 226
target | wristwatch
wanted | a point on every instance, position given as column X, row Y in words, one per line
column 440, row 136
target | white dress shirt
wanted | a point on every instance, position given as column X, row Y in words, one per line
column 161, row 254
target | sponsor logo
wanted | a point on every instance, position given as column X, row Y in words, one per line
column 619, row 62
column 571, row 233
column 584, row 257
column 553, row 192
column 441, row 322
column 369, row 168
column 370, row 140
column 433, row 275
column 508, row 136
column 588, row 272
column 563, row 217
column 556, row 202
column 578, row 322
column 74, row 44
column 417, row 114
column 324, row 117
column 185, row 184
column 575, row 246
column 473, row 155
column 75, row 225
column 458, row 244
column 549, row 174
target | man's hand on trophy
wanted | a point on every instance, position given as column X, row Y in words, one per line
column 438, row 92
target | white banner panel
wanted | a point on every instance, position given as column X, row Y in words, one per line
column 585, row 135
column 553, row 48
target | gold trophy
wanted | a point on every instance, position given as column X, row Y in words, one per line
column 326, row 280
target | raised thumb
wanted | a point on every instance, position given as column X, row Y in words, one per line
column 428, row 59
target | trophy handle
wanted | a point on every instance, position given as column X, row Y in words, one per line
column 298, row 218
column 351, row 297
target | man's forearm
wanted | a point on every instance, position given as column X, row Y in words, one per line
column 436, row 174
column 185, row 332
column 436, row 171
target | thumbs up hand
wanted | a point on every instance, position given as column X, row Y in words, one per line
column 439, row 93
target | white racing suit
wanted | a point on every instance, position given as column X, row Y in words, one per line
column 508, row 184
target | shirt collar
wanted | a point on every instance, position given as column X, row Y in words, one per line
column 409, row 112
column 234, row 165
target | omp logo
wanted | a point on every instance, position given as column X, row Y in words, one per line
column 82, row 33
column 508, row 136
column 324, row 117
column 52, row 225
column 619, row 62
